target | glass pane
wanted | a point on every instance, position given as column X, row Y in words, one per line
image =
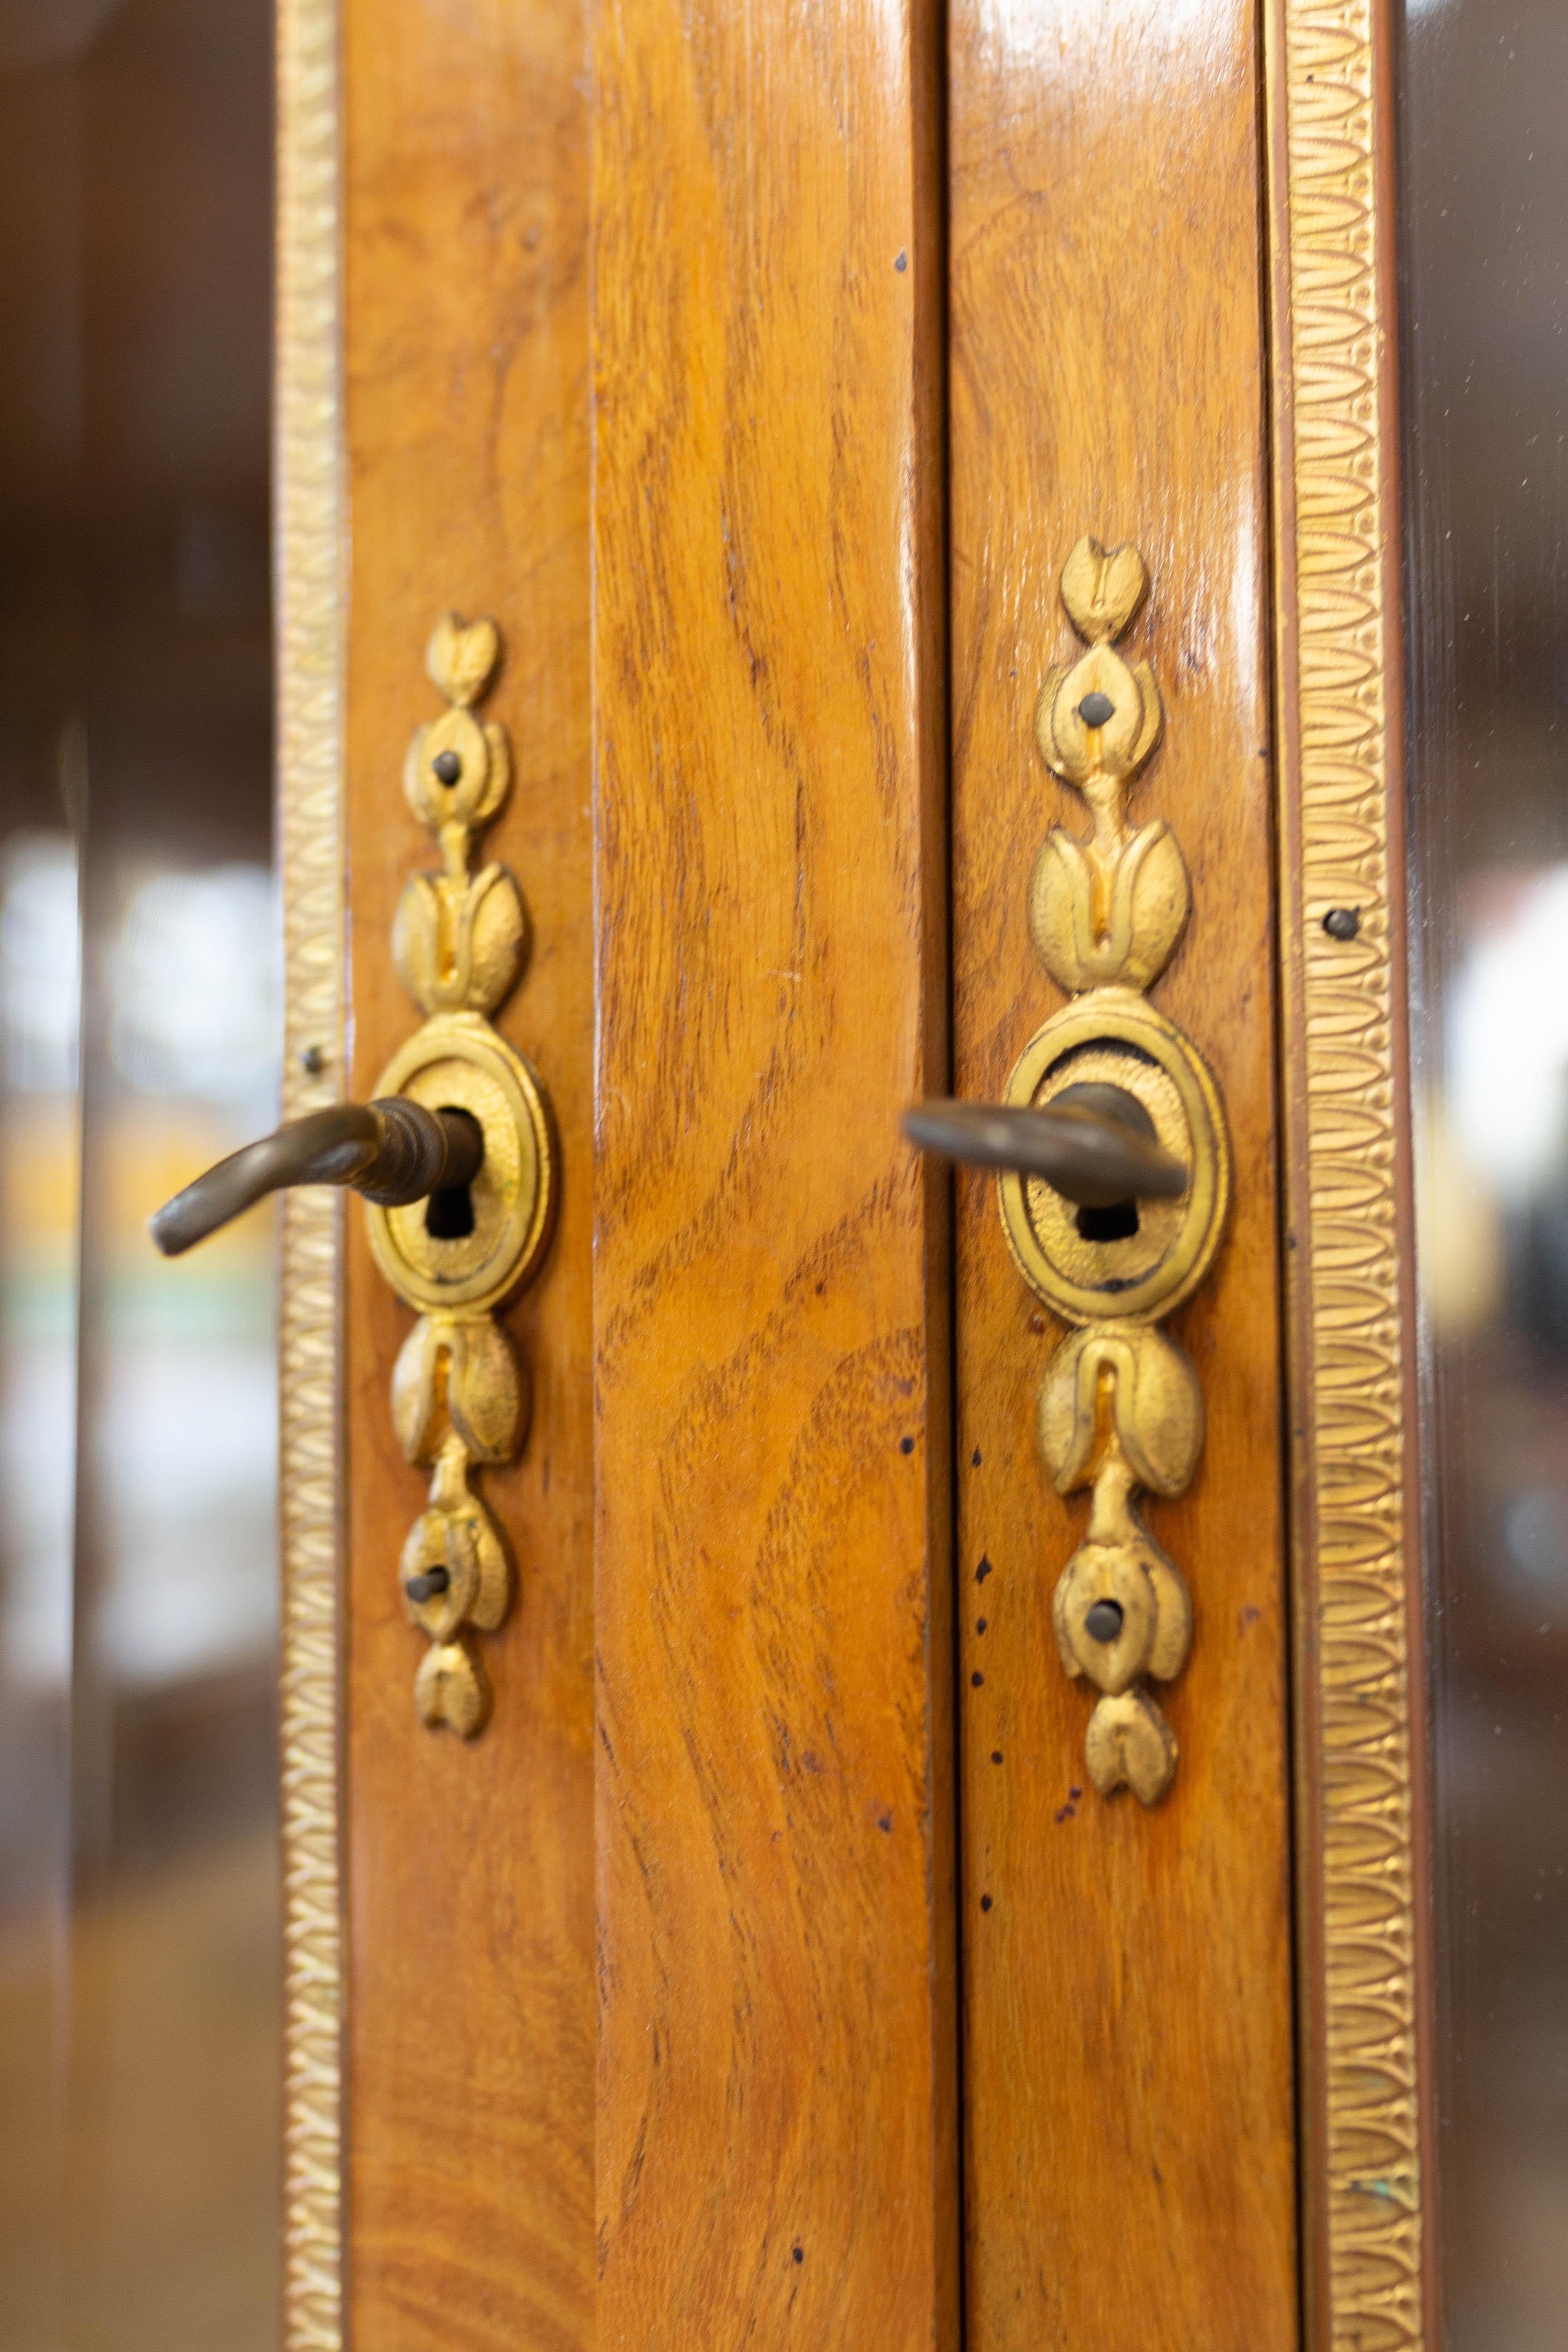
column 1485, row 250
column 139, row 2024
column 40, row 761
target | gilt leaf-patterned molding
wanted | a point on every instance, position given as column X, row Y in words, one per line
column 309, row 693
column 1339, row 584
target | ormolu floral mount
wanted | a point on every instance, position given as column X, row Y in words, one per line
column 461, row 1391
column 456, row 1158
column 1109, row 1079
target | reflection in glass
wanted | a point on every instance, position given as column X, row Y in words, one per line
column 1484, row 243
column 39, row 1153
column 138, row 1898
column 40, row 994
column 184, row 1444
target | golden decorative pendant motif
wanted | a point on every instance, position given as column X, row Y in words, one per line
column 1120, row 1411
column 461, row 1391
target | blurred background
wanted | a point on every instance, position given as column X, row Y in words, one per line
column 1484, row 243
column 138, row 1895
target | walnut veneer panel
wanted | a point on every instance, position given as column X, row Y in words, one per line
column 1129, row 2169
column 776, row 2117
column 470, row 1866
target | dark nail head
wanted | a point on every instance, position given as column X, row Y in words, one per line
column 1097, row 709
column 312, row 1061
column 1342, row 922
column 446, row 767
column 424, row 1588
column 1102, row 1623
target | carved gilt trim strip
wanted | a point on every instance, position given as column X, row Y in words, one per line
column 308, row 427
column 1337, row 596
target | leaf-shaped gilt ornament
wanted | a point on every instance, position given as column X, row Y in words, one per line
column 1103, row 592
column 461, row 655
column 417, row 940
column 1121, row 1410
column 461, row 1391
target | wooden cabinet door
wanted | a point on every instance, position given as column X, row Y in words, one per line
column 775, row 1816
column 433, row 440
column 1128, row 1971
column 792, row 1944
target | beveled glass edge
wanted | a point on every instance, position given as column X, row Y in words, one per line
column 1366, row 2180
column 308, row 509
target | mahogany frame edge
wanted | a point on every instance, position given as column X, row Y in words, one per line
column 309, row 583
column 1365, row 2097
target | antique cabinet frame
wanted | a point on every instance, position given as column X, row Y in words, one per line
column 1362, row 1965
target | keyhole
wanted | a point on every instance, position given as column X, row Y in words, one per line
column 1119, row 1223
column 450, row 1214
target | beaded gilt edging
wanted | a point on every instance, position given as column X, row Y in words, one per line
column 310, row 691
column 1339, row 472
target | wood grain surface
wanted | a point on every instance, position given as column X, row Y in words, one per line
column 469, row 1867
column 775, row 2149
column 1128, row 2159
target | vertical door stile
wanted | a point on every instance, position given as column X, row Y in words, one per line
column 777, row 2121
column 1128, row 2056
column 471, row 2021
